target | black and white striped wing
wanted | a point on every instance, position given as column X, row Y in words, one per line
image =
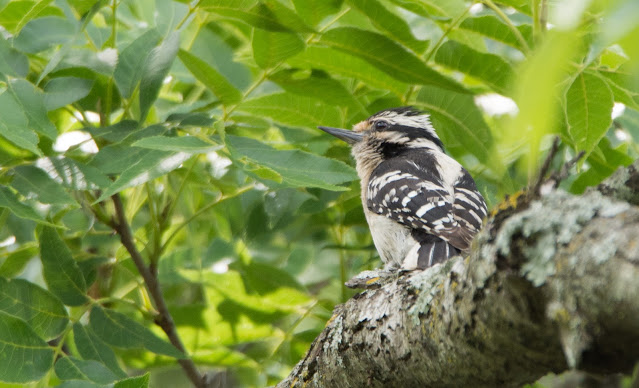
column 414, row 194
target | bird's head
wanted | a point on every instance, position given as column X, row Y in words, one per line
column 389, row 133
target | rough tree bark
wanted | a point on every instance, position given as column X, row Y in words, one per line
column 547, row 288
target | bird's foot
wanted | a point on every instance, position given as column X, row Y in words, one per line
column 373, row 279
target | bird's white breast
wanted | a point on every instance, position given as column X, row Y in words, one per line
column 392, row 240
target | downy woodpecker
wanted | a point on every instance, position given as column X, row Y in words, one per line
column 421, row 205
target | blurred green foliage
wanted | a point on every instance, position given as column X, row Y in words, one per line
column 201, row 115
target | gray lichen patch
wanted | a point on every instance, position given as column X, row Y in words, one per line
column 429, row 283
column 623, row 184
column 549, row 223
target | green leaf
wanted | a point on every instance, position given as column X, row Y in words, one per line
column 83, row 6
column 9, row 200
column 43, row 33
column 190, row 120
column 624, row 86
column 63, row 91
column 607, row 159
column 423, row 8
column 314, row 11
column 271, row 48
column 61, row 272
column 589, row 105
column 14, row 125
column 254, row 293
column 262, row 173
column 386, row 21
column 74, row 175
column 36, row 306
column 458, row 121
column 91, row 347
column 248, row 11
column 12, row 61
column 315, row 84
column 113, row 159
column 211, row 78
column 32, row 181
column 492, row 27
column 281, row 204
column 33, row 13
column 119, row 330
column 292, row 110
column 81, row 384
column 71, row 368
column 386, row 55
column 31, row 100
column 134, row 382
column 117, row 132
column 189, row 144
column 89, row 268
column 13, row 15
column 443, row 10
column 297, row 168
column 522, row 6
column 152, row 165
column 156, row 68
column 25, row 357
column 131, row 61
column 223, row 356
column 489, row 68
column 17, row 260
column 286, row 16
column 335, row 62
column 603, row 161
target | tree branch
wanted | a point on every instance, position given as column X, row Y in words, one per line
column 549, row 288
column 164, row 318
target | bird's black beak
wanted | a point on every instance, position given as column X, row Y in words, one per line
column 348, row 136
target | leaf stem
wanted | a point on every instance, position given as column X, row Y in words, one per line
column 188, row 14
column 447, row 31
column 509, row 23
column 263, row 75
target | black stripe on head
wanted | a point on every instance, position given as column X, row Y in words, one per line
column 413, row 133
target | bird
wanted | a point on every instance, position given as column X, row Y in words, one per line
column 421, row 205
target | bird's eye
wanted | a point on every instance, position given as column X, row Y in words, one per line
column 381, row 125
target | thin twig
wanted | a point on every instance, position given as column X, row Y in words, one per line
column 555, row 177
column 541, row 176
column 164, row 318
column 565, row 169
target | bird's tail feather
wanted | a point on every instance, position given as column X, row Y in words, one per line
column 424, row 255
